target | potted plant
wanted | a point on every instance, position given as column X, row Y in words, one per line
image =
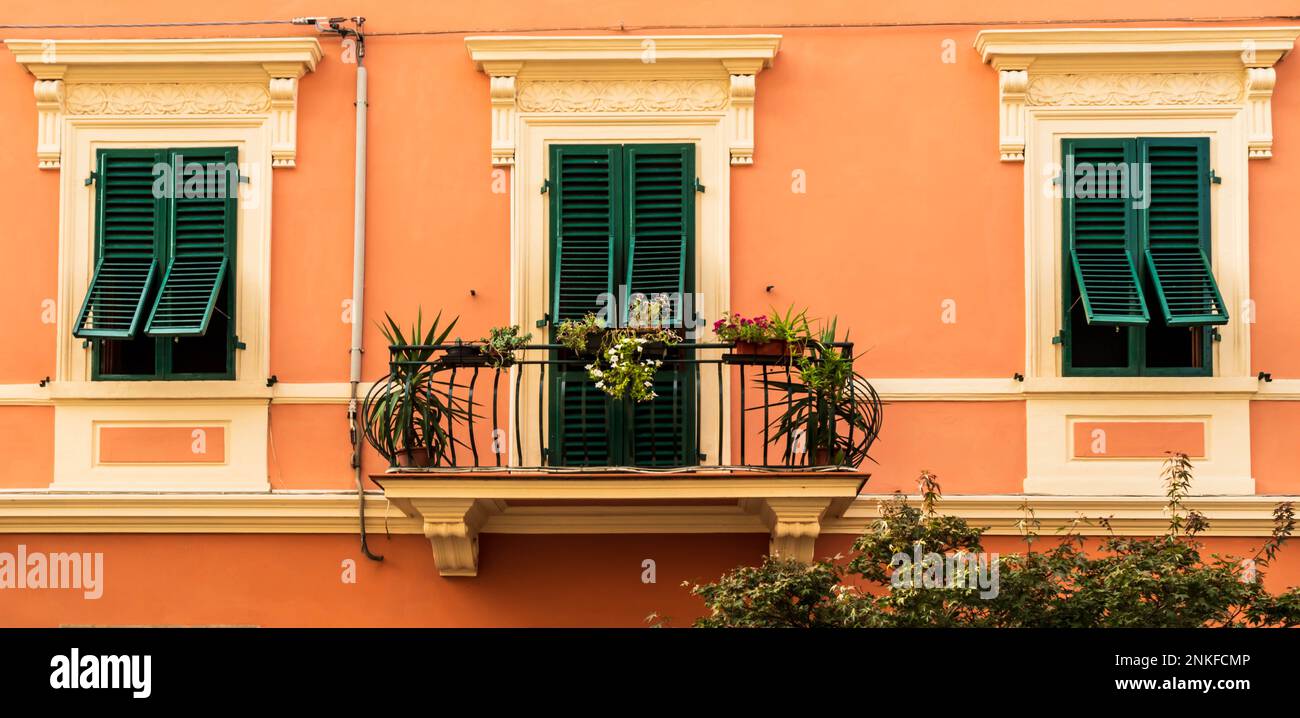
column 583, row 336
column 625, row 369
column 750, row 336
column 502, row 342
column 650, row 318
column 792, row 328
column 405, row 416
column 464, row 354
column 831, row 410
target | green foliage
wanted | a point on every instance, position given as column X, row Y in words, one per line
column 1162, row 581
column 624, row 368
column 501, row 343
column 407, row 413
column 790, row 326
column 833, row 411
column 576, row 334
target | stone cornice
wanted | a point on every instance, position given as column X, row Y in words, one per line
column 1122, row 68
column 165, row 78
column 639, row 74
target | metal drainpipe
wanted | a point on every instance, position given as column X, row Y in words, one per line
column 358, row 291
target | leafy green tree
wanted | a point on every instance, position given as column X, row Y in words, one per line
column 1161, row 581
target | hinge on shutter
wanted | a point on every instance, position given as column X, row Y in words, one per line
column 243, row 178
column 1214, row 178
column 1215, row 335
column 1059, row 179
column 546, row 186
column 545, row 321
column 91, row 179
column 239, row 344
column 1059, row 338
column 698, row 187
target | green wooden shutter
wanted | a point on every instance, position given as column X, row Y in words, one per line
column 1175, row 230
column 1100, row 226
column 660, row 217
column 660, row 221
column 128, row 217
column 585, row 204
column 202, row 224
column 585, row 216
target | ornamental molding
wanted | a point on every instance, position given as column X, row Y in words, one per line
column 174, row 78
column 1113, row 89
column 171, row 98
column 623, row 96
column 1120, row 69
column 710, row 75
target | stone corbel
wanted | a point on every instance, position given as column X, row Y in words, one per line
column 49, row 123
column 452, row 527
column 1012, row 86
column 740, row 108
column 503, row 90
column 284, row 121
column 794, row 523
column 1259, row 111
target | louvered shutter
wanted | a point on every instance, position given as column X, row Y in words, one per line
column 128, row 217
column 585, row 203
column 202, row 236
column 660, row 239
column 1100, row 227
column 1175, row 230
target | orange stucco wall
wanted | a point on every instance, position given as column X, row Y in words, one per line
column 906, row 208
column 523, row 580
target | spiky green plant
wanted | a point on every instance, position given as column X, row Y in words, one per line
column 412, row 409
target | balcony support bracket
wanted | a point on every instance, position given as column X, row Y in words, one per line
column 452, row 526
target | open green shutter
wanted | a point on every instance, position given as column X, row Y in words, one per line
column 584, row 226
column 585, row 203
column 128, row 217
column 660, row 221
column 202, row 229
column 1100, row 228
column 1175, row 230
column 660, row 217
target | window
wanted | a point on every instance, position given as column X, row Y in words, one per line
column 161, row 301
column 622, row 218
column 1140, row 297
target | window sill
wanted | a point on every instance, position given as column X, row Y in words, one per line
column 1225, row 386
column 106, row 391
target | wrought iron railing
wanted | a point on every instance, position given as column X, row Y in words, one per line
column 452, row 407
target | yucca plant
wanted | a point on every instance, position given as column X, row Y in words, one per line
column 407, row 415
column 831, row 412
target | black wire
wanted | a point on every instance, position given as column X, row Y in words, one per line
column 739, row 26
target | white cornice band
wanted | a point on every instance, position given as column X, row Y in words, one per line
column 679, row 74
column 167, row 78
column 1124, row 68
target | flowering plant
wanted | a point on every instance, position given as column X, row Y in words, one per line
column 624, row 369
column 654, row 312
column 576, row 333
column 735, row 328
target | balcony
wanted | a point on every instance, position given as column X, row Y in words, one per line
column 716, row 439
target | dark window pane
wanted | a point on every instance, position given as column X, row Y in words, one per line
column 1094, row 346
column 206, row 354
column 127, row 357
column 1170, row 347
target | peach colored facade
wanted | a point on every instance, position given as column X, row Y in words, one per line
column 905, row 224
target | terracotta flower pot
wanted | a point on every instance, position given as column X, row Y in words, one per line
column 416, row 457
column 775, row 347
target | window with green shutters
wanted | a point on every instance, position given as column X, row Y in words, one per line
column 1140, row 297
column 622, row 222
column 160, row 304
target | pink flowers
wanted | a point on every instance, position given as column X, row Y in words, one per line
column 734, row 327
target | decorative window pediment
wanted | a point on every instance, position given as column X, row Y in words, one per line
column 1120, row 70
column 682, row 75
column 167, row 78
